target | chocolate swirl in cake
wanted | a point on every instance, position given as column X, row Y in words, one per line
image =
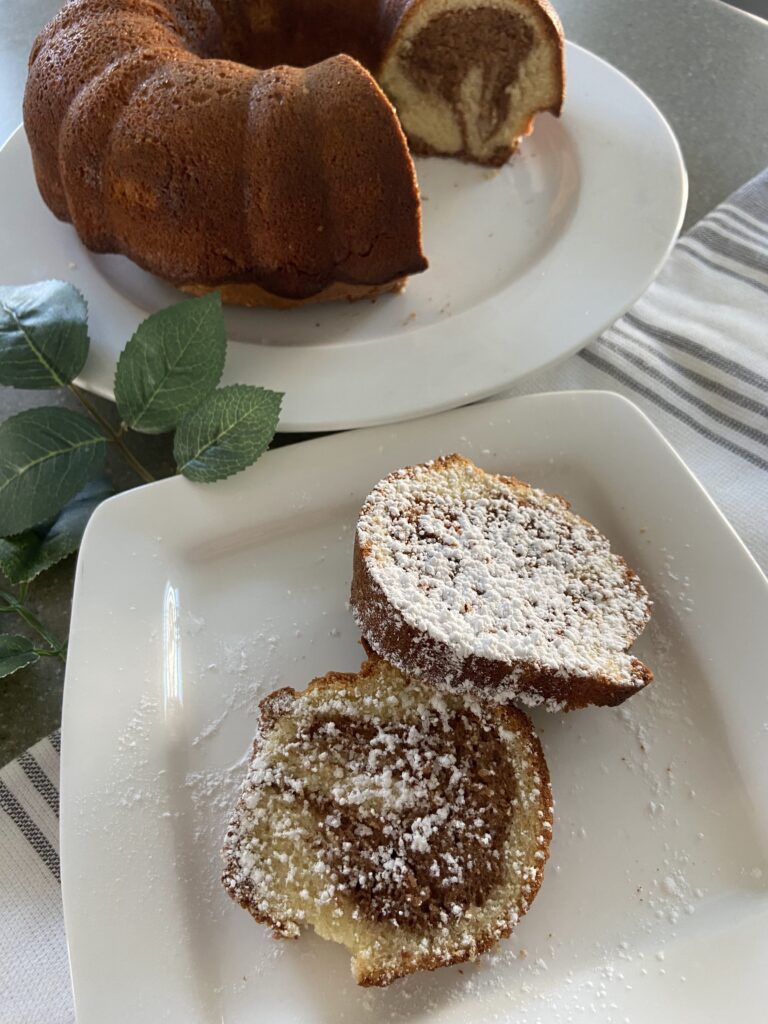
column 409, row 825
column 414, row 829
column 461, row 45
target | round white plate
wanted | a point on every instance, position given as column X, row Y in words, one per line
column 527, row 264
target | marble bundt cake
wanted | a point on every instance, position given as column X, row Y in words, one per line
column 246, row 145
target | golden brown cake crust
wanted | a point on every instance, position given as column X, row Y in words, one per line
column 553, row 27
column 255, row 296
column 394, row 632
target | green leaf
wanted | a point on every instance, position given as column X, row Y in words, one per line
column 18, row 552
column 46, row 457
column 173, row 361
column 15, row 652
column 227, row 433
column 26, row 555
column 43, row 335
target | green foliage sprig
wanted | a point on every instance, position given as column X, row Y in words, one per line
column 52, row 460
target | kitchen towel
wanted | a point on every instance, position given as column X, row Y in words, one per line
column 692, row 353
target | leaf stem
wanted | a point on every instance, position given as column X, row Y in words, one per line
column 57, row 649
column 115, row 436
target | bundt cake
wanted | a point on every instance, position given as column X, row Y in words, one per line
column 481, row 584
column 411, row 826
column 244, row 145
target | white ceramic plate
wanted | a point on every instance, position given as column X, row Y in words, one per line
column 193, row 602
column 527, row 264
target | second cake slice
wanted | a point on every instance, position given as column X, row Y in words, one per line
column 408, row 825
column 482, row 584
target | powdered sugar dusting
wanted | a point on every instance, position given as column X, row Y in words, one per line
column 494, row 569
column 388, row 806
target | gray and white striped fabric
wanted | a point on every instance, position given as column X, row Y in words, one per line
column 693, row 353
column 34, row 970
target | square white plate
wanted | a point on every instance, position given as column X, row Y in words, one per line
column 193, row 602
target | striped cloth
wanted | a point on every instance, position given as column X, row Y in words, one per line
column 34, row 971
column 693, row 353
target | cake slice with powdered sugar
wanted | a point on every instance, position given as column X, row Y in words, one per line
column 409, row 825
column 477, row 583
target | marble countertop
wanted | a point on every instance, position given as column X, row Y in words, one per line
column 704, row 63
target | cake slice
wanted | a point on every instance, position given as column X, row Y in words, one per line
column 481, row 584
column 408, row 825
column 467, row 77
